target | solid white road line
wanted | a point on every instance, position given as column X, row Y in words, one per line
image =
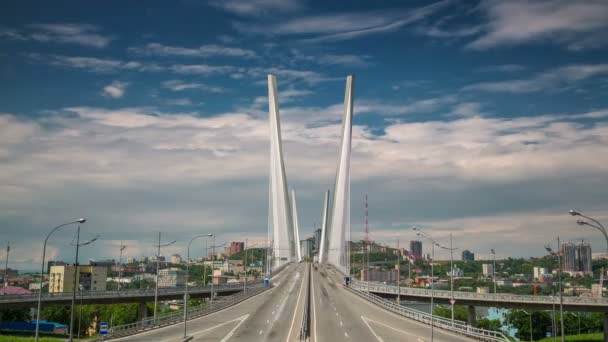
column 372, row 330
column 367, row 320
column 314, row 306
column 232, row 331
column 295, row 311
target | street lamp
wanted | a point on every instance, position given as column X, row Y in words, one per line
column 187, row 277
column 529, row 313
column 433, row 243
column 211, row 235
column 559, row 274
column 157, row 269
column 494, row 268
column 42, row 272
column 5, row 280
column 122, row 248
column 76, row 276
column 597, row 225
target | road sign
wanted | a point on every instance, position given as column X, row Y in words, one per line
column 452, row 301
column 103, row 328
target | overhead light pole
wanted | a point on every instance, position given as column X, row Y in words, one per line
column 494, row 268
column 433, row 244
column 597, row 225
column 5, row 280
column 187, row 278
column 76, row 280
column 82, row 220
column 157, row 270
column 211, row 235
column 559, row 274
column 529, row 313
column 122, row 248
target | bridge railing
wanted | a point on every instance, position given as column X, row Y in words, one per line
column 497, row 297
column 456, row 326
column 178, row 316
column 122, row 293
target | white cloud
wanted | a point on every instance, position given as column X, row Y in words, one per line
column 575, row 24
column 93, row 64
column 467, row 109
column 179, row 85
column 257, row 7
column 115, row 90
column 157, row 49
column 344, row 26
column 79, row 34
column 201, row 69
column 551, row 79
column 171, row 171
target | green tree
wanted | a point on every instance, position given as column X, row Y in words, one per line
column 460, row 312
column 541, row 323
column 489, row 324
column 12, row 315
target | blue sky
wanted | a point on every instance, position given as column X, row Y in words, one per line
column 482, row 119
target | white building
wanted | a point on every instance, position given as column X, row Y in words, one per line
column 488, row 270
column 457, row 273
column 176, row 259
column 171, row 277
column 539, row 272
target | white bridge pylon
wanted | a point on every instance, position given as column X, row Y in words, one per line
column 283, row 212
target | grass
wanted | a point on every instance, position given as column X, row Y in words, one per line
column 6, row 338
column 595, row 337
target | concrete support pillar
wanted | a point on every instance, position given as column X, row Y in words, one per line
column 471, row 316
column 606, row 327
column 143, row 311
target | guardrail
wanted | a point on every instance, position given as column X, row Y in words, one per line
column 458, row 327
column 305, row 327
column 178, row 316
column 490, row 297
column 120, row 294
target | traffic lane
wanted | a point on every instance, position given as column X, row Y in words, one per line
column 214, row 320
column 385, row 325
column 333, row 318
column 276, row 319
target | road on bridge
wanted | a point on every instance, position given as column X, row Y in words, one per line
column 275, row 315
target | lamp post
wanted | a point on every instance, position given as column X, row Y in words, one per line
column 529, row 313
column 76, row 276
column 211, row 235
column 433, row 243
column 187, row 278
column 122, row 248
column 42, row 271
column 5, row 280
column 559, row 275
column 494, row 268
column 157, row 269
column 597, row 225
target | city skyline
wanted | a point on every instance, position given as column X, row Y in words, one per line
column 462, row 124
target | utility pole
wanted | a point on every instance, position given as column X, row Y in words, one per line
column 452, row 278
column 8, row 249
column 245, row 267
column 122, row 248
column 157, row 270
column 398, row 274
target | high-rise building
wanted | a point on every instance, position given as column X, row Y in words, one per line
column 488, row 270
column 576, row 259
column 416, row 249
column 176, row 259
column 90, row 278
column 306, row 248
column 236, row 247
column 317, row 236
column 539, row 272
column 467, row 255
column 171, row 277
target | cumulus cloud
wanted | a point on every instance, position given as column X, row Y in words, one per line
column 115, row 90
column 157, row 171
column 80, row 34
column 548, row 80
column 157, row 49
column 574, row 24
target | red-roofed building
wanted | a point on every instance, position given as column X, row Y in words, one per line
column 14, row 290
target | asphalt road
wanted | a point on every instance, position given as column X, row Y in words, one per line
column 339, row 315
column 271, row 316
column 275, row 315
